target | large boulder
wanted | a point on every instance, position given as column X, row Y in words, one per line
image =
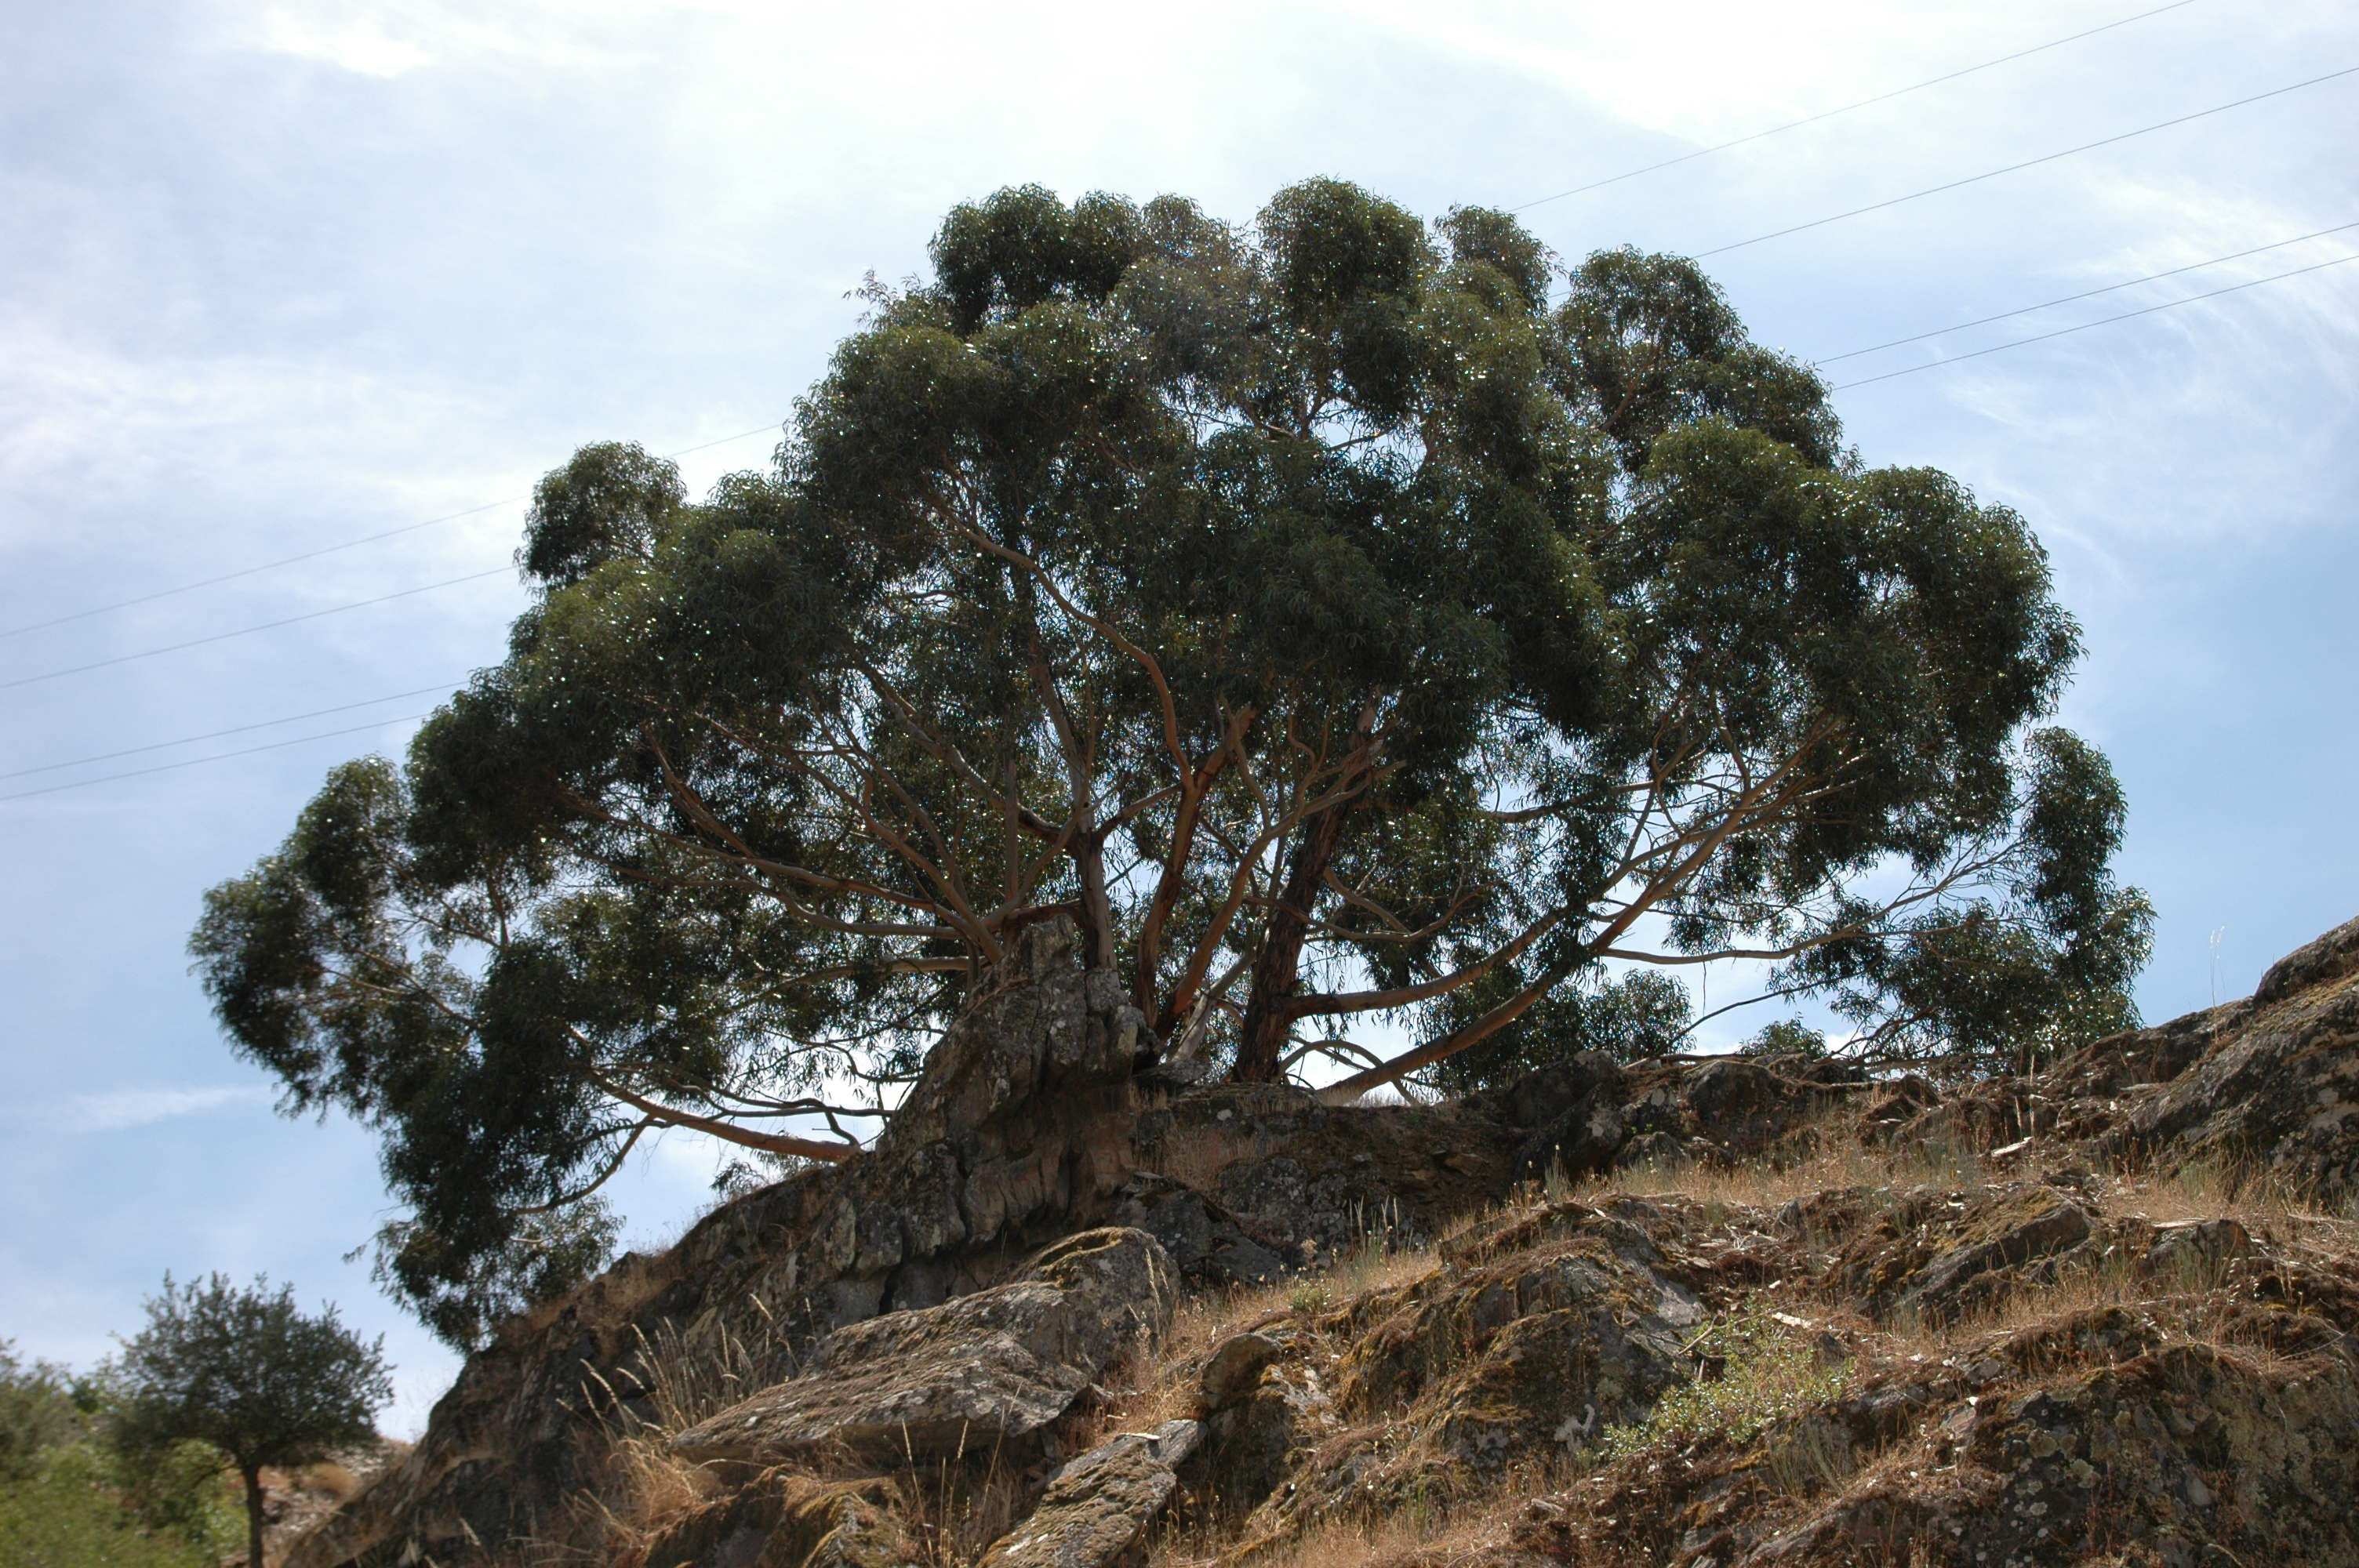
column 990, row 1372
column 2277, row 1090
column 1096, row 1509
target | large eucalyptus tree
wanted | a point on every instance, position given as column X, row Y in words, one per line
column 1338, row 616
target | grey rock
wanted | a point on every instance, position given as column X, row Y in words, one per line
column 1182, row 1225
column 2330, row 958
column 1585, row 1138
column 1247, row 1263
column 1236, row 1367
column 991, row 1370
column 1545, row 1094
column 2053, row 1227
column 1096, row 1510
column 1655, row 1151
column 2277, row 1089
column 2191, row 1249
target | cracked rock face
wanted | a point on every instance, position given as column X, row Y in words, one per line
column 1940, row 1256
column 990, row 1372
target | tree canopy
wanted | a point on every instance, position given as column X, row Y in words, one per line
column 247, row 1371
column 1338, row 616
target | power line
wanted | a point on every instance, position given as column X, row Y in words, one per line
column 2026, row 163
column 233, row 729
column 216, row 757
column 191, row 740
column 2088, row 294
column 1863, row 104
column 244, row 630
column 2103, row 321
column 330, row 549
column 1629, row 174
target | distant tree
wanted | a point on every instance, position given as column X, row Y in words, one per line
column 1638, row 1014
column 1787, row 1037
column 38, row 1412
column 248, row 1372
column 1337, row 617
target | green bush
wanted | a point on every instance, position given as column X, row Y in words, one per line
column 1768, row 1372
column 73, row 1511
column 38, row 1413
column 68, row 1499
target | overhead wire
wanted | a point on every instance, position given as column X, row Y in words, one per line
column 330, row 549
column 1847, row 108
column 245, row 631
column 381, row 535
column 475, row 511
column 2102, row 321
column 233, row 729
column 2087, row 293
column 408, row 528
column 391, row 697
column 215, row 757
column 2026, row 163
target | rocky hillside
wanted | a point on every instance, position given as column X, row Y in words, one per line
column 1078, row 1309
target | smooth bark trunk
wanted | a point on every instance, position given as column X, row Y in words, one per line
column 1277, row 973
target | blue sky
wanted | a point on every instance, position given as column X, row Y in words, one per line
column 272, row 277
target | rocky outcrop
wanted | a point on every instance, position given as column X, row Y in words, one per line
column 1040, row 1113
column 1994, row 1350
column 1938, row 1256
column 2278, row 1094
column 991, row 1372
column 1016, row 1137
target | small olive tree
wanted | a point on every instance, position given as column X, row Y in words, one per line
column 245, row 1370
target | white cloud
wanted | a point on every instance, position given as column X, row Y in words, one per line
column 115, row 1111
column 353, row 41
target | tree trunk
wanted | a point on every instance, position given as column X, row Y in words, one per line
column 1097, row 904
column 1276, row 968
column 252, row 1478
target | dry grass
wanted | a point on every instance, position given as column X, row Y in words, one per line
column 1449, row 1525
column 1834, row 1164
column 1159, row 1384
column 685, row 1381
column 1350, row 1543
column 2253, row 1197
column 955, row 1509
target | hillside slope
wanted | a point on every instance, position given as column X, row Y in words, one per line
column 1073, row 1311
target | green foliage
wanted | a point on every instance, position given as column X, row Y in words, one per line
column 68, row 1499
column 1755, row 1370
column 1640, row 1014
column 1787, row 1037
column 247, row 1370
column 610, row 502
column 1335, row 615
column 463, row 1297
column 71, row 1511
column 38, row 1413
column 249, row 1374
column 2009, row 982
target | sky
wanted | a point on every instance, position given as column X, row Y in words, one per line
column 277, row 277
